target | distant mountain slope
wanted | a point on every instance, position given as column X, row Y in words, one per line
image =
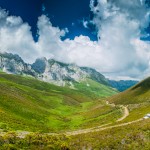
column 137, row 94
column 122, row 85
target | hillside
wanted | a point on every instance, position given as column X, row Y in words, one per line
column 137, row 94
column 73, row 115
column 130, row 133
column 137, row 99
column 31, row 105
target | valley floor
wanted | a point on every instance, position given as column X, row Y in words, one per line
column 81, row 139
column 125, row 113
column 93, row 129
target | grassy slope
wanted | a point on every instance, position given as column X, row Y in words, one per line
column 137, row 98
column 95, row 89
column 31, row 105
column 134, row 136
column 137, row 94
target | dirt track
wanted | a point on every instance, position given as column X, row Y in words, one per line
column 84, row 131
column 125, row 113
column 104, row 127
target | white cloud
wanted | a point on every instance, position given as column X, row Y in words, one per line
column 16, row 37
column 85, row 23
column 118, row 54
column 119, row 23
column 49, row 43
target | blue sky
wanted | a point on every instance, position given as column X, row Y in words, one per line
column 65, row 14
column 29, row 10
column 110, row 36
column 68, row 14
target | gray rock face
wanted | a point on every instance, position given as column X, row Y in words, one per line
column 13, row 64
column 57, row 72
column 40, row 65
column 94, row 75
column 49, row 70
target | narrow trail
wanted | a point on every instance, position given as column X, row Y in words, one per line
column 124, row 108
column 23, row 134
column 105, row 127
column 100, row 129
column 125, row 113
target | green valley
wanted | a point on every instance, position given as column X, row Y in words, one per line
column 39, row 115
column 28, row 104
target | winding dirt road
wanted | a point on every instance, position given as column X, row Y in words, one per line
column 125, row 113
column 124, row 108
column 104, row 127
column 84, row 131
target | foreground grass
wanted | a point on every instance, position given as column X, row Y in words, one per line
column 134, row 136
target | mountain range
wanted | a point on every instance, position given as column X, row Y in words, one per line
column 49, row 70
column 122, row 85
column 62, row 74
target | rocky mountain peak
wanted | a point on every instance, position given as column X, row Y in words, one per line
column 14, row 64
column 10, row 56
column 39, row 65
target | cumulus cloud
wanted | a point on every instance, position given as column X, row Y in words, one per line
column 119, row 52
column 49, row 43
column 120, row 24
column 15, row 36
